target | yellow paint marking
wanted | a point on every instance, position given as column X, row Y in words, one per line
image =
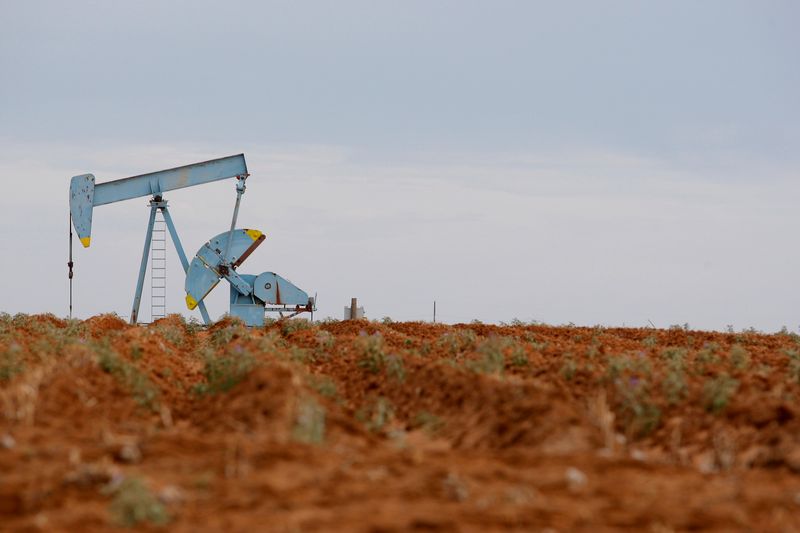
column 85, row 241
column 191, row 303
column 253, row 233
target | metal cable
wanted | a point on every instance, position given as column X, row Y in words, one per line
column 70, row 265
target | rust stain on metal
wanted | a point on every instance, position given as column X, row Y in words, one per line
column 249, row 251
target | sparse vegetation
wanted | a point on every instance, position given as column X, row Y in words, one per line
column 568, row 368
column 707, row 358
column 376, row 414
column 717, row 393
column 739, row 357
column 309, row 424
column 222, row 336
column 174, row 334
column 794, row 364
column 639, row 413
column 134, row 504
column 429, row 422
column 224, row 371
column 141, row 388
column 10, row 362
column 324, row 385
column 516, row 415
column 373, row 357
column 651, row 341
column 371, row 352
column 325, row 342
column 458, row 341
column 674, row 385
column 492, row 355
column 291, row 325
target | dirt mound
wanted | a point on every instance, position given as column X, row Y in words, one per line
column 101, row 324
column 365, row 426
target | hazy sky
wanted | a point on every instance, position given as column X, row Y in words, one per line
column 589, row 162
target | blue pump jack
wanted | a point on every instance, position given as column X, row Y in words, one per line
column 250, row 295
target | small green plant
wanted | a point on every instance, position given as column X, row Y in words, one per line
column 458, row 341
column 674, row 386
column 136, row 352
column 794, row 364
column 134, row 504
column 271, row 343
column 739, row 357
column 301, row 355
column 395, row 368
column 717, row 392
column 706, row 358
column 324, row 385
column 492, row 355
column 568, row 368
column 376, row 414
column 374, row 359
column 639, row 414
column 291, row 325
column 651, row 341
column 593, row 350
column 674, row 357
column 74, row 329
column 175, row 335
column 518, row 357
column 428, row 422
column 325, row 341
column 371, row 349
column 636, row 365
column 172, row 333
column 225, row 371
column 141, row 388
column 223, row 336
column 309, row 424
column 193, row 326
column 10, row 362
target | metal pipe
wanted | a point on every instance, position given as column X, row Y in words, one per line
column 70, row 264
column 240, row 188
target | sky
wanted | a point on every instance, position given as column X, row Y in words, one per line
column 598, row 163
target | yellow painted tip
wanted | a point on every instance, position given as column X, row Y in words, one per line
column 85, row 241
column 253, row 233
column 191, row 303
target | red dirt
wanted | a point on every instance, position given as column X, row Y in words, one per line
column 364, row 426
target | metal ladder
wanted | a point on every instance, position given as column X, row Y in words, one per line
column 158, row 270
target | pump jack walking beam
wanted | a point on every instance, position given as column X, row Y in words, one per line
column 84, row 195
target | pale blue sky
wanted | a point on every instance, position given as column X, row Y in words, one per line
column 594, row 162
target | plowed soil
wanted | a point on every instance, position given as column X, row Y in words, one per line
column 367, row 426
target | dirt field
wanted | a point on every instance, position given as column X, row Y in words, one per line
column 367, row 426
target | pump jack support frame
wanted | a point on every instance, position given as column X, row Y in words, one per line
column 158, row 203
